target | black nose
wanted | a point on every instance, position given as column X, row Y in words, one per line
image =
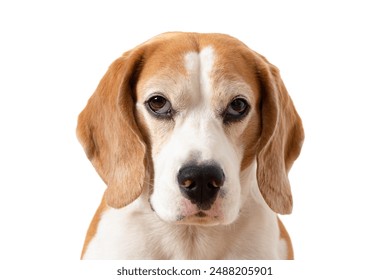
column 201, row 183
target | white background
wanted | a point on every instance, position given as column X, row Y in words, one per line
column 334, row 59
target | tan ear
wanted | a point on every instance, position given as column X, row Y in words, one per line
column 280, row 141
column 108, row 131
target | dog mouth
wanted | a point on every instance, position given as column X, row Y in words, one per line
column 201, row 214
column 196, row 217
column 207, row 218
column 190, row 214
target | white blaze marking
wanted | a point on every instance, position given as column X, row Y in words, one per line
column 199, row 67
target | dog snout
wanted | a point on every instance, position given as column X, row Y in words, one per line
column 200, row 183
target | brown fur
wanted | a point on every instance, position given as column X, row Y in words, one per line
column 94, row 225
column 110, row 136
column 286, row 237
column 280, row 142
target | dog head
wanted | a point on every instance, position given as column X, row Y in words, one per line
column 183, row 115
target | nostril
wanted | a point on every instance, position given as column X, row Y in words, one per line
column 209, row 175
column 187, row 183
column 213, row 184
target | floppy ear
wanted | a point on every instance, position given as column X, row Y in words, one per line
column 280, row 141
column 108, row 131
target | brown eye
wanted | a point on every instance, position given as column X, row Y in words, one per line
column 237, row 107
column 159, row 106
column 236, row 110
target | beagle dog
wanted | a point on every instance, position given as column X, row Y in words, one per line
column 194, row 135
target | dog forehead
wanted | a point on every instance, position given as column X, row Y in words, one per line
column 171, row 56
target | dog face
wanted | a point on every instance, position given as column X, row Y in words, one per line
column 183, row 116
column 199, row 126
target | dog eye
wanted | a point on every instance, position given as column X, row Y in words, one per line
column 236, row 110
column 159, row 106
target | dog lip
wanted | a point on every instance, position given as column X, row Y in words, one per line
column 200, row 214
column 151, row 206
column 192, row 211
column 199, row 218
